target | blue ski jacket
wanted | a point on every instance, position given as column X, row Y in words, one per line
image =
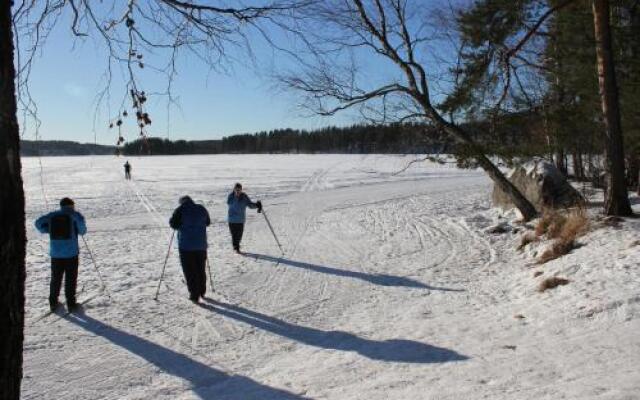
column 238, row 206
column 63, row 227
column 191, row 221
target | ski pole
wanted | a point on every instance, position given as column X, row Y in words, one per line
column 104, row 286
column 210, row 276
column 164, row 266
column 272, row 232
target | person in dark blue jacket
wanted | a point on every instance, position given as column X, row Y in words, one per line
column 191, row 221
column 63, row 227
column 127, row 170
column 238, row 201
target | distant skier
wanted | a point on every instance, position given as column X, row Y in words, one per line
column 191, row 221
column 127, row 170
column 63, row 227
column 238, row 201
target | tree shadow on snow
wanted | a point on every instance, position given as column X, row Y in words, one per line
column 206, row 382
column 393, row 350
column 376, row 279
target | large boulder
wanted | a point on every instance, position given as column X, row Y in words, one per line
column 542, row 184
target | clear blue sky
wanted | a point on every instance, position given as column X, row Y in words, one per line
column 69, row 72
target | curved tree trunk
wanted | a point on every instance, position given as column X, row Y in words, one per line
column 616, row 200
column 12, row 229
column 523, row 205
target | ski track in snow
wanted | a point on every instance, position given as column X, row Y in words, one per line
column 388, row 289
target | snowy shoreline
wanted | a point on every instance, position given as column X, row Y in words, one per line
column 389, row 289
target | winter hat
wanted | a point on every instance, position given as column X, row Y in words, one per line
column 185, row 199
column 237, row 186
column 65, row 202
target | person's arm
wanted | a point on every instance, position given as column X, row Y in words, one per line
column 42, row 224
column 250, row 203
column 229, row 199
column 176, row 219
column 81, row 225
column 208, row 221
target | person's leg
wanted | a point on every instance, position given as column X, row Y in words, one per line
column 187, row 262
column 236, row 234
column 57, row 271
column 235, row 241
column 70, row 280
column 240, row 231
column 202, row 273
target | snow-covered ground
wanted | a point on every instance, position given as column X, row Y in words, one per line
column 389, row 288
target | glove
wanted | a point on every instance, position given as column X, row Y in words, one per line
column 259, row 204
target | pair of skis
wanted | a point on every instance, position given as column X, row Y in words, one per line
column 65, row 313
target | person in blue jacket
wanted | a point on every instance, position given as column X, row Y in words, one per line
column 191, row 221
column 63, row 227
column 238, row 201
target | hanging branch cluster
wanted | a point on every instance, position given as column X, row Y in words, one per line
column 140, row 35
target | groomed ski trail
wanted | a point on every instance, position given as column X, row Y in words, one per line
column 389, row 288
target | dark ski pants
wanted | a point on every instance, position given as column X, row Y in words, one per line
column 127, row 175
column 193, row 264
column 67, row 267
column 236, row 234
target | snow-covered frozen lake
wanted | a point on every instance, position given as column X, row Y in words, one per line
column 388, row 289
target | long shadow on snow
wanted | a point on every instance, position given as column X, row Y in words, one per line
column 376, row 279
column 206, row 382
column 393, row 350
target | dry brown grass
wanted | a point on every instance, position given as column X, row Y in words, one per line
column 552, row 282
column 527, row 238
column 556, row 226
column 557, row 250
column 548, row 216
column 575, row 225
column 565, row 229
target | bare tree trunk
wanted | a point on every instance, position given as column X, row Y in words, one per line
column 560, row 160
column 12, row 231
column 578, row 168
column 616, row 197
column 633, row 169
column 523, row 205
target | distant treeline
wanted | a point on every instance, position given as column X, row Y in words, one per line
column 395, row 138
column 513, row 134
column 32, row 148
column 157, row 146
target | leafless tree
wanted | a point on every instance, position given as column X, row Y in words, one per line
column 336, row 34
column 132, row 31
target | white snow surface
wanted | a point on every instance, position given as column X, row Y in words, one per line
column 389, row 288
